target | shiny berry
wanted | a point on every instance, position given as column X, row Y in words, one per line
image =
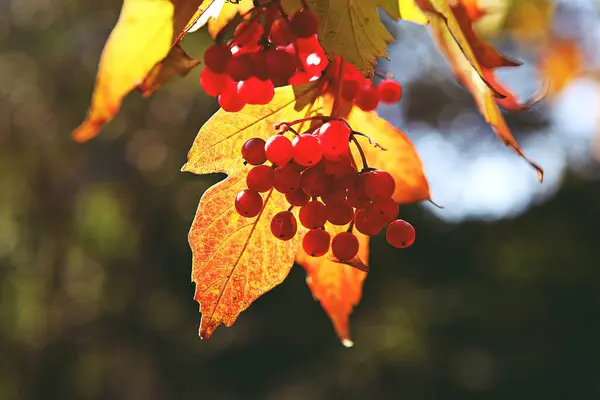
column 344, row 246
column 400, row 234
column 286, row 179
column 278, row 149
column 334, row 137
column 305, row 23
column 216, row 57
column 213, row 83
column 283, row 225
column 367, row 98
column 313, row 215
column 260, row 178
column 297, row 198
column 316, row 242
column 253, row 151
column 248, row 203
column 340, row 212
column 307, row 150
column 379, row 185
column 390, row 91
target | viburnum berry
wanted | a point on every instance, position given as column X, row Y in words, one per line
column 248, row 203
column 259, row 65
column 239, row 67
column 283, row 225
column 279, row 150
column 255, row 91
column 315, row 182
column 350, row 88
column 367, row 225
column 339, row 169
column 216, row 57
column 230, row 101
column 344, row 246
column 357, row 198
column 297, row 198
column 260, row 178
column 378, row 184
column 390, row 91
column 316, row 242
column 281, row 33
column 305, row 23
column 307, row 150
column 313, row 215
column 280, row 64
column 248, row 33
column 384, row 210
column 340, row 212
column 287, row 179
column 400, row 234
column 335, row 195
column 253, row 151
column 367, row 98
column 334, row 137
column 213, row 83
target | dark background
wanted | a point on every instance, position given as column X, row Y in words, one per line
column 95, row 292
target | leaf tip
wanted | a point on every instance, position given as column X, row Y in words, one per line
column 87, row 130
column 347, row 343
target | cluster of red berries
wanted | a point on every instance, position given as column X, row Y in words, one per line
column 279, row 51
column 364, row 93
column 316, row 172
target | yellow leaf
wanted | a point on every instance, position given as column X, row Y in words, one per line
column 177, row 63
column 409, row 11
column 353, row 29
column 229, row 12
column 142, row 37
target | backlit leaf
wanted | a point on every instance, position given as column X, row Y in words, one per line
column 409, row 11
column 353, row 29
column 177, row 63
column 338, row 287
column 142, row 37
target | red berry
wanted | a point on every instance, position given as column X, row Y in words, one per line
column 213, row 83
column 255, row 91
column 307, row 150
column 297, row 198
column 248, row 203
column 390, row 91
column 281, row 33
column 335, row 195
column 286, row 179
column 248, row 33
column 315, row 183
column 305, row 23
column 367, row 98
column 230, row 101
column 316, row 242
column 216, row 57
column 366, row 225
column 384, row 211
column 344, row 246
column 339, row 169
column 283, row 225
column 379, row 185
column 357, row 198
column 260, row 178
column 350, row 88
column 334, row 137
column 313, row 215
column 280, row 64
column 400, row 234
column 278, row 149
column 340, row 212
column 253, row 151
column 239, row 67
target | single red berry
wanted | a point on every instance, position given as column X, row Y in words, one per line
column 255, row 91
column 278, row 149
column 239, row 67
column 307, row 150
column 259, row 66
column 390, row 91
column 305, row 23
column 216, row 57
column 260, row 178
column 280, row 64
column 340, row 212
column 286, row 179
column 335, row 195
column 297, row 198
column 379, row 185
column 400, row 234
column 313, row 215
column 344, row 246
column 356, row 194
column 253, row 151
column 340, row 169
column 350, row 88
column 281, row 33
column 283, row 225
column 213, row 83
column 367, row 98
column 248, row 33
column 316, row 242
column 334, row 137
column 248, row 203
column 366, row 225
column 383, row 210
column 315, row 182
column 230, row 101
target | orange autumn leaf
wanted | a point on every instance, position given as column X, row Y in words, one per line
column 561, row 63
column 177, row 63
column 337, row 287
column 142, row 37
column 467, row 67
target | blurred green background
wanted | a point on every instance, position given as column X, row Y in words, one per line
column 95, row 292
